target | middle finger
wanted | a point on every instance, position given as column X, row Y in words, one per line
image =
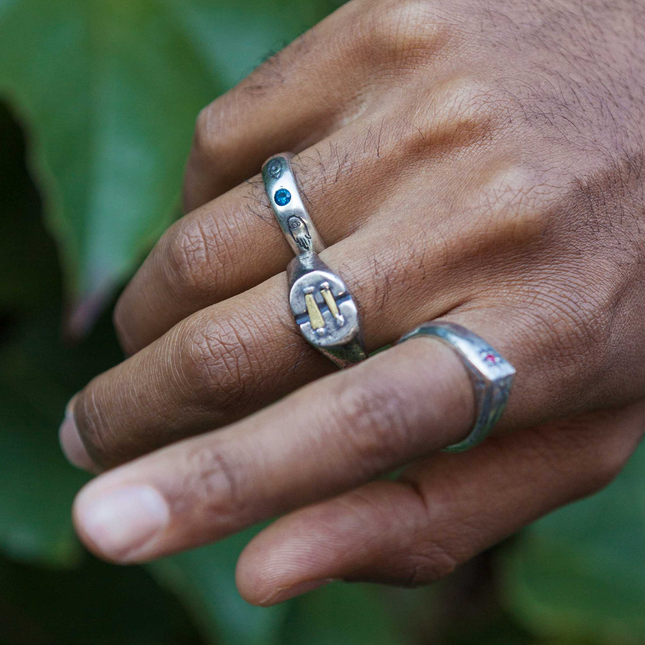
column 233, row 243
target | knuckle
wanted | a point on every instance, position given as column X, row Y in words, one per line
column 210, row 141
column 589, row 452
column 122, row 322
column 608, row 456
column 195, row 256
column 466, row 104
column 427, row 565
column 462, row 112
column 99, row 436
column 579, row 331
column 512, row 215
column 416, row 558
column 608, row 463
column 518, row 204
column 216, row 360
column 572, row 341
column 375, row 420
column 403, row 35
column 215, row 481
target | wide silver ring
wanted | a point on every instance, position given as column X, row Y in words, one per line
column 491, row 374
column 322, row 306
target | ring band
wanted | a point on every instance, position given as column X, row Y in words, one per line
column 320, row 301
column 288, row 206
column 491, row 374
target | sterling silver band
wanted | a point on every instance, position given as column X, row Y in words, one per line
column 492, row 376
column 288, row 206
column 320, row 301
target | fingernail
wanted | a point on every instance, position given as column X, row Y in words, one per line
column 286, row 593
column 71, row 443
column 123, row 521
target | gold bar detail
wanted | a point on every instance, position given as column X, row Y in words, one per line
column 331, row 302
column 315, row 317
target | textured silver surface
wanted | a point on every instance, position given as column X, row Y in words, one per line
column 338, row 335
column 323, row 308
column 294, row 220
column 491, row 374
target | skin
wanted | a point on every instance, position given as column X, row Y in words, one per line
column 471, row 161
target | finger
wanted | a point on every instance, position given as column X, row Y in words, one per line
column 234, row 243
column 296, row 98
column 439, row 513
column 234, row 358
column 374, row 166
column 333, row 435
column 231, row 359
column 326, row 438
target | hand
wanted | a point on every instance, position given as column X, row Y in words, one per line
column 479, row 164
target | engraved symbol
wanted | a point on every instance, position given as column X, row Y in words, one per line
column 330, row 301
column 316, row 317
column 300, row 233
column 275, row 169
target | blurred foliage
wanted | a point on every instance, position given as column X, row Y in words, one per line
column 101, row 98
column 580, row 572
column 110, row 90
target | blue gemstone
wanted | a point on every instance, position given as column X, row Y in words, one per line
column 282, row 197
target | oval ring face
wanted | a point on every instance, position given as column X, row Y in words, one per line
column 324, row 310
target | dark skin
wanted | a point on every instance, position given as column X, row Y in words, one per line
column 476, row 161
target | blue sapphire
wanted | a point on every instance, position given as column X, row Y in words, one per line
column 282, row 197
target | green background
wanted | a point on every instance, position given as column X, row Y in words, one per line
column 98, row 100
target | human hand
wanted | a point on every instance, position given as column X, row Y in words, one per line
column 475, row 164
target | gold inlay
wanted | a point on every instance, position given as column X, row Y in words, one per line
column 315, row 317
column 331, row 302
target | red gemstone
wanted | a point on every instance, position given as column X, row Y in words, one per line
column 490, row 358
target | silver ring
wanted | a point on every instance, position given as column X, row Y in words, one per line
column 320, row 301
column 288, row 206
column 491, row 374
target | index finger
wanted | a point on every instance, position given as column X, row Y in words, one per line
column 328, row 437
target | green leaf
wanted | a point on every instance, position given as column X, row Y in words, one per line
column 38, row 375
column 94, row 604
column 109, row 90
column 343, row 614
column 577, row 574
column 27, row 253
column 35, row 515
column 205, row 579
